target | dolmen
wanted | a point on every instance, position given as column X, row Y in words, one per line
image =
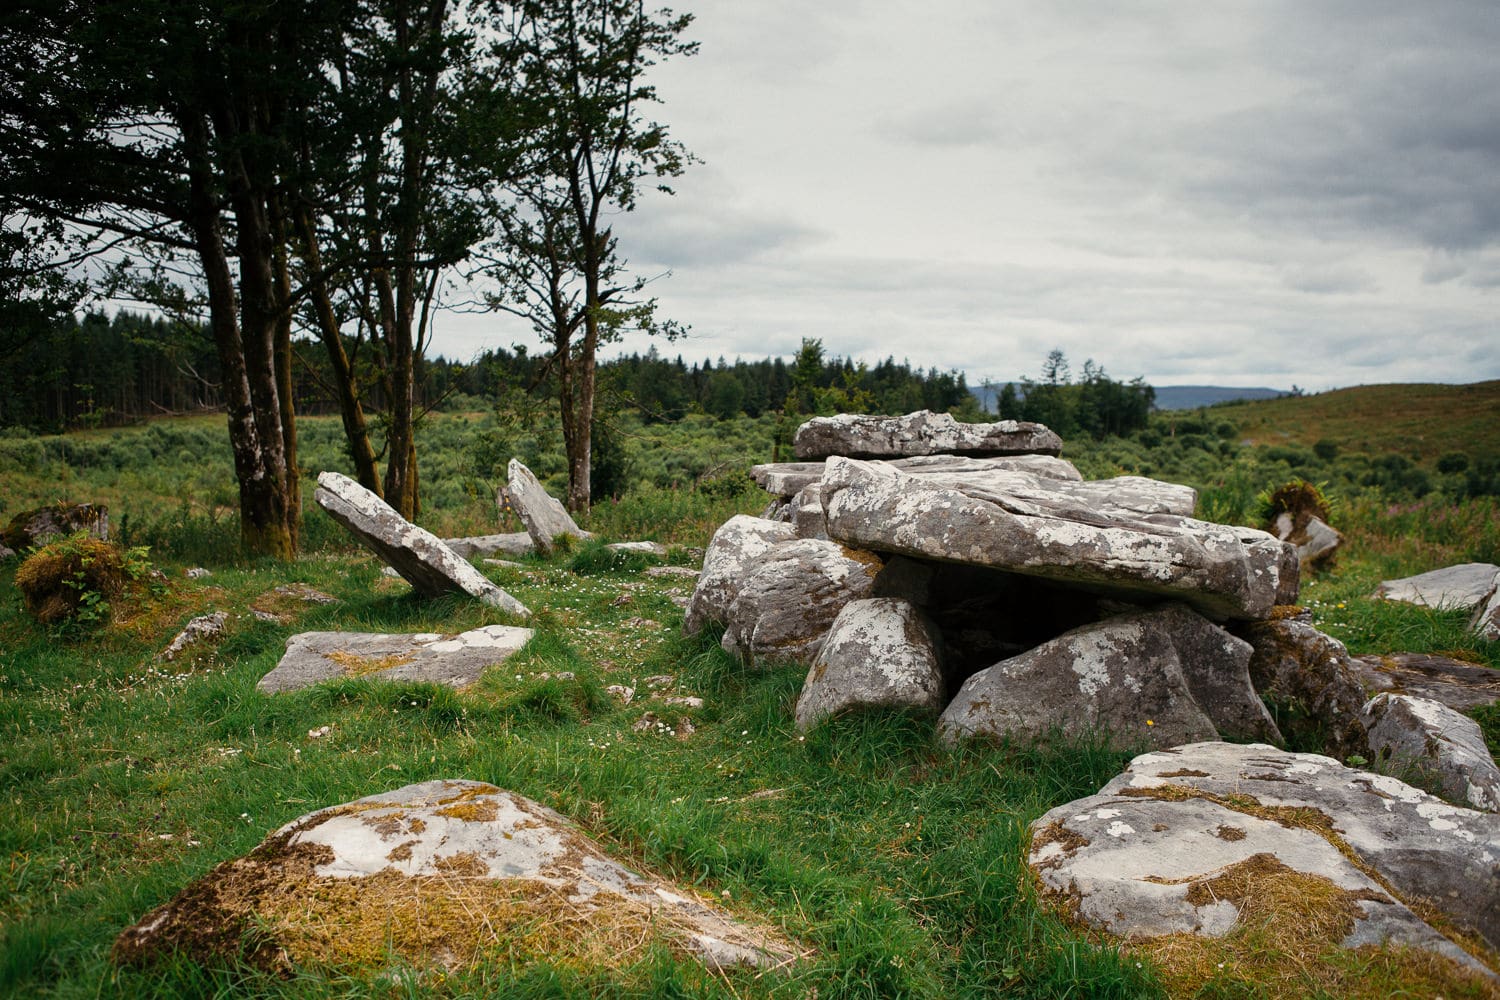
column 1015, row 600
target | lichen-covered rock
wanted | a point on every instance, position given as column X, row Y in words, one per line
column 1423, row 848
column 1193, row 839
column 442, row 874
column 454, row 660
column 879, row 653
column 1034, row 529
column 1463, row 586
column 805, row 512
column 546, row 519
column 1309, row 679
column 735, row 549
column 1122, row 676
column 787, row 479
column 1444, row 747
column 1217, row 667
column 511, row 543
column 785, row 604
column 204, row 628
column 922, row 433
column 417, row 554
column 38, row 526
column 1486, row 620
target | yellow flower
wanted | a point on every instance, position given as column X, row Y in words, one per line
column 1150, row 723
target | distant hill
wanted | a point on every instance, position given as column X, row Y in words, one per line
column 1190, row 397
column 1168, row 397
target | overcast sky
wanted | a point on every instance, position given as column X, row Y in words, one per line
column 1253, row 193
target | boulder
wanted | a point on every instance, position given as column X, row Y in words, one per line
column 735, row 549
column 1195, row 838
column 1315, row 540
column 454, row 660
column 438, row 874
column 805, row 512
column 204, row 628
column 785, row 604
column 879, row 652
column 1034, row 530
column 786, row 479
column 1486, row 620
column 1445, row 748
column 1311, row 683
column 32, row 528
column 1464, row 586
column 1459, row 685
column 415, row 553
column 512, row 543
column 1126, row 676
column 1423, row 848
column 922, row 433
column 545, row 517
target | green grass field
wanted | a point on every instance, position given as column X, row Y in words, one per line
column 898, row 861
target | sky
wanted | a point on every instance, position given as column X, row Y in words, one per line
column 1233, row 193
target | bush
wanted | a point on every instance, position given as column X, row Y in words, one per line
column 1299, row 498
column 76, row 578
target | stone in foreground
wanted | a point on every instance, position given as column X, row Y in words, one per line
column 1444, row 747
column 1424, row 848
column 879, row 653
column 417, row 554
column 1127, row 676
column 1033, row 529
column 546, row 519
column 440, row 874
column 454, row 660
column 1463, row 586
column 922, row 433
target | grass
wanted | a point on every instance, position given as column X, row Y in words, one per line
column 898, row 860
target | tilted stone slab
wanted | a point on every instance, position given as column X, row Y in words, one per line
column 880, row 652
column 786, row 603
column 455, row 660
column 1423, row 847
column 510, row 543
column 1148, row 857
column 439, row 873
column 786, row 479
column 545, row 517
column 1446, row 748
column 1223, row 571
column 1459, row 685
column 1125, row 675
column 1486, row 620
column 1462, row 586
column 417, row 554
column 858, row 435
column 734, row 551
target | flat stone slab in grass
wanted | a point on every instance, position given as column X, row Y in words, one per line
column 1459, row 685
column 858, row 435
column 1189, row 840
column 440, row 874
column 1462, row 586
column 455, row 660
column 513, row 543
column 787, row 479
column 1223, row 571
column 417, row 554
column 545, row 517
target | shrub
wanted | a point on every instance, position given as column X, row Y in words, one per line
column 1299, row 498
column 76, row 578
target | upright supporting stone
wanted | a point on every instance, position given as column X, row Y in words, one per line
column 545, row 517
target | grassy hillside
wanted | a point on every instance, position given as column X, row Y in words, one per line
column 1420, row 421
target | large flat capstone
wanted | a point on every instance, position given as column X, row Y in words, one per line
column 1034, row 528
column 440, row 873
column 417, row 554
column 787, row 479
column 454, row 660
column 922, row 433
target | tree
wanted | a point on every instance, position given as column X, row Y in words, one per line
column 579, row 90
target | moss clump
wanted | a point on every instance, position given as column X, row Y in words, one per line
column 1298, row 498
column 77, row 577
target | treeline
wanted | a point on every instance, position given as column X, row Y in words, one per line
column 1095, row 405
